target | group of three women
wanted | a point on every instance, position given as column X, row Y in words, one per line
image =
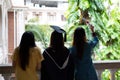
column 57, row 62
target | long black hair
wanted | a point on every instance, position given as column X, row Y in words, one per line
column 79, row 40
column 27, row 42
column 57, row 40
column 59, row 51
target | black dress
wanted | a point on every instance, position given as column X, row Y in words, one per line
column 57, row 65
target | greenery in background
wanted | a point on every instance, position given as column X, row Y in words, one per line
column 106, row 75
column 104, row 15
column 41, row 32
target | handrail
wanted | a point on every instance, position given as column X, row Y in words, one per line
column 6, row 69
column 113, row 65
column 107, row 64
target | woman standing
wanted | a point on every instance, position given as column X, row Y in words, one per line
column 27, row 58
column 57, row 63
column 81, row 52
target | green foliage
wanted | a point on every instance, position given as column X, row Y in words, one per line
column 35, row 19
column 106, row 21
column 104, row 15
column 41, row 32
column 106, row 75
column 117, row 76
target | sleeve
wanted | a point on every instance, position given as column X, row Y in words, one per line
column 94, row 42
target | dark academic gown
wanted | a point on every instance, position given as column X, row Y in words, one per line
column 57, row 67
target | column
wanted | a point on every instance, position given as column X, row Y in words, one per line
column 0, row 34
column 6, row 35
column 20, row 25
column 4, row 42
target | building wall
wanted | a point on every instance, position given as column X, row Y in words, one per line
column 15, row 30
column 50, row 16
column 10, row 32
column 18, row 2
column 4, row 6
column 46, row 13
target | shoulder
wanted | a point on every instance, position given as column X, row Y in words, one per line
column 16, row 49
column 47, row 50
column 36, row 49
column 15, row 53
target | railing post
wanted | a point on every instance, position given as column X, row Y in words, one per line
column 112, row 72
column 1, row 77
column 6, row 76
column 99, row 73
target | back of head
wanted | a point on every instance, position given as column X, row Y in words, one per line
column 60, row 52
column 27, row 39
column 79, row 35
column 78, row 41
column 56, row 39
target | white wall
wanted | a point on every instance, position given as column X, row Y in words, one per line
column 0, row 24
column 18, row 2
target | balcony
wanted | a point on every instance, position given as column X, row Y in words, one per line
column 8, row 73
column 113, row 66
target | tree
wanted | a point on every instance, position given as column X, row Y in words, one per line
column 41, row 32
column 105, row 16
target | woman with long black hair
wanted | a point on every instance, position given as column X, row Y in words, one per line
column 27, row 58
column 81, row 51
